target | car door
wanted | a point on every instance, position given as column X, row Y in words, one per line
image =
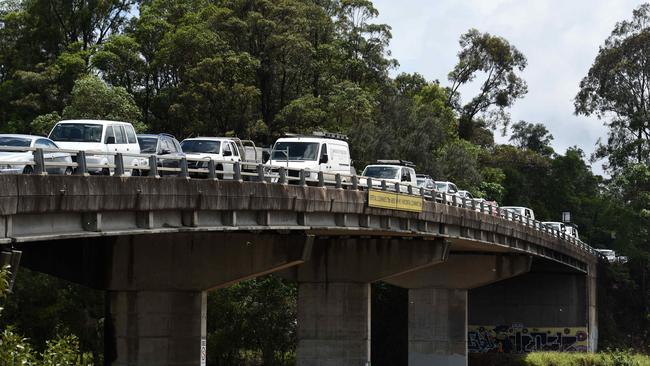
column 52, row 156
column 110, row 144
column 132, row 146
column 227, row 154
column 324, row 164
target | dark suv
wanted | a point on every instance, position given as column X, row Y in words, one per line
column 162, row 145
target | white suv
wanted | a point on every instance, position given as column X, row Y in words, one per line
column 106, row 137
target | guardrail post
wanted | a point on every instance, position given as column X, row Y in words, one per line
column 444, row 198
column 355, row 182
column 282, row 179
column 369, row 182
column 521, row 219
column 119, row 165
column 384, row 186
column 237, row 171
column 463, row 201
column 398, row 187
column 422, row 193
column 491, row 207
column 184, row 172
column 454, row 200
column 153, row 166
column 321, row 179
column 409, row 189
column 39, row 162
column 260, row 173
column 303, row 181
column 81, row 163
column 482, row 206
column 212, row 170
column 339, row 183
column 473, row 204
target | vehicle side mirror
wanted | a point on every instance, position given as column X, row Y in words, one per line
column 324, row 159
column 227, row 153
column 110, row 140
column 165, row 152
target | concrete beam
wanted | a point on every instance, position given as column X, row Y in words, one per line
column 365, row 260
column 155, row 328
column 168, row 262
column 465, row 271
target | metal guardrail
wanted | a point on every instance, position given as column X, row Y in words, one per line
column 207, row 168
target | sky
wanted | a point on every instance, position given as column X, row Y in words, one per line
column 560, row 39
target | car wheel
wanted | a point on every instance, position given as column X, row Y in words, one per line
column 28, row 170
column 106, row 171
column 136, row 173
column 68, row 171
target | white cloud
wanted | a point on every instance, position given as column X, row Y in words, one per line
column 559, row 38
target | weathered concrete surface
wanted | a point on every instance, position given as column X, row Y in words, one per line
column 40, row 208
column 465, row 271
column 366, row 260
column 333, row 324
column 334, row 293
column 168, row 262
column 155, row 328
column 437, row 327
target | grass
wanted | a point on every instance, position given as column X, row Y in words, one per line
column 610, row 358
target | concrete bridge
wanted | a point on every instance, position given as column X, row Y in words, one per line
column 157, row 245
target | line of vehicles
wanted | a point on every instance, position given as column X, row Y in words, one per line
column 324, row 154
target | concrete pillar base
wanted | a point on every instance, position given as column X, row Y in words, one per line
column 333, row 324
column 437, row 327
column 161, row 328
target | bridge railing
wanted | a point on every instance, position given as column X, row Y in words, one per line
column 102, row 162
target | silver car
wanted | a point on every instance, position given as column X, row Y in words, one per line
column 14, row 161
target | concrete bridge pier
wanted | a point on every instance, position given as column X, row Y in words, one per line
column 437, row 331
column 334, row 293
column 156, row 328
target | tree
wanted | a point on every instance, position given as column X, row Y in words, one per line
column 92, row 98
column 617, row 89
column 500, row 62
column 533, row 136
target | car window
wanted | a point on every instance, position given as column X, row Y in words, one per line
column 130, row 135
column 77, row 132
column 226, row 147
column 45, row 144
column 109, row 133
column 201, row 146
column 234, row 149
column 147, row 144
column 452, row 188
column 323, row 150
column 120, row 135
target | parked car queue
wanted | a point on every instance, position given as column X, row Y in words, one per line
column 322, row 152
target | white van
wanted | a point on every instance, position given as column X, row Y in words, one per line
column 325, row 152
column 99, row 136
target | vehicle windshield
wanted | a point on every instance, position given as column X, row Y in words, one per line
column 201, row 146
column 381, row 172
column 421, row 182
column 442, row 187
column 147, row 144
column 15, row 141
column 554, row 226
column 77, row 132
column 295, row 151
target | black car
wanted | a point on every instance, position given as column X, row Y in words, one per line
column 162, row 145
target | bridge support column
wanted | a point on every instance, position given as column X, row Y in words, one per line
column 155, row 328
column 334, row 321
column 437, row 327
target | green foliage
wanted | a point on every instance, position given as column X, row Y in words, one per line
column 92, row 98
column 616, row 89
column 500, row 62
column 532, row 136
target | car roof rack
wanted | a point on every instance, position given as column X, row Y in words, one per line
column 396, row 162
column 330, row 135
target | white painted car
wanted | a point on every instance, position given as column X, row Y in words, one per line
column 19, row 162
column 223, row 150
column 322, row 152
column 105, row 137
column 391, row 171
column 556, row 226
column 524, row 212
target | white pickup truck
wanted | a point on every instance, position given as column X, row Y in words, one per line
column 225, row 151
column 391, row 171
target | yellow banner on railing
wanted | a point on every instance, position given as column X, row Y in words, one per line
column 394, row 201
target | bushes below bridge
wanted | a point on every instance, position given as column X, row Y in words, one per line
column 614, row 358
